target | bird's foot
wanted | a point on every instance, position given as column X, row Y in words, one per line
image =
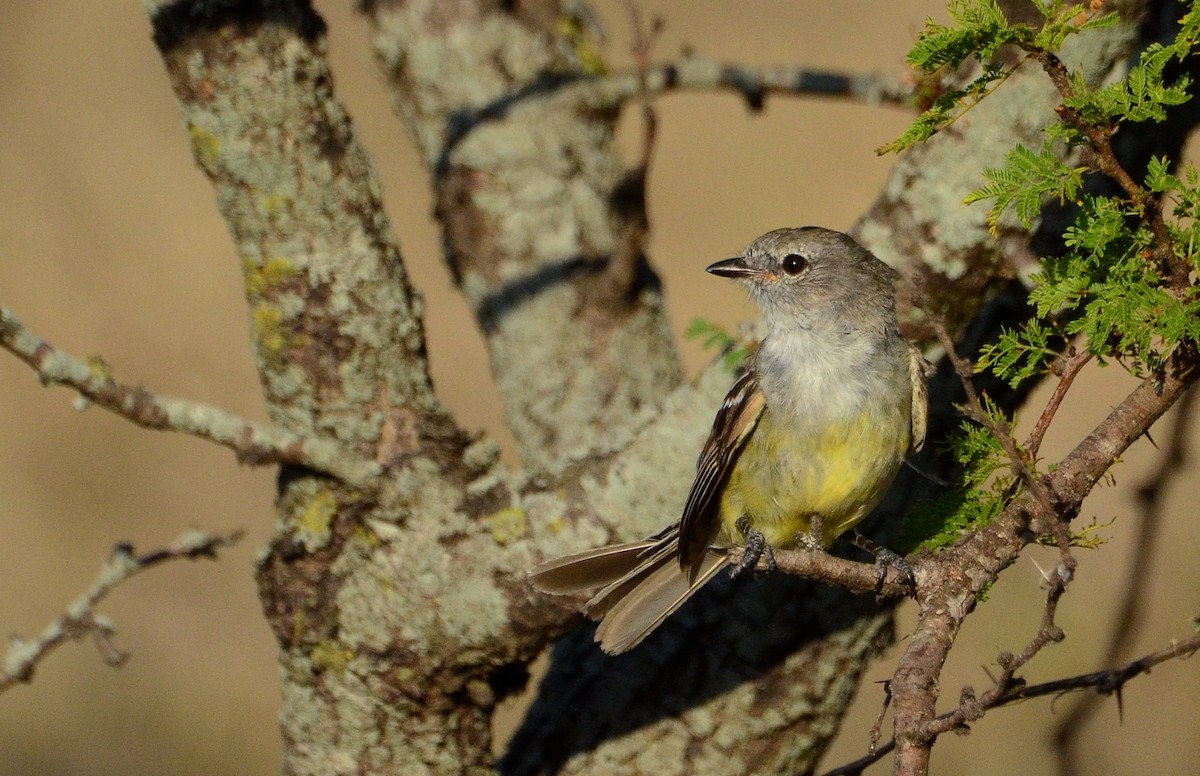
column 756, row 548
column 883, row 559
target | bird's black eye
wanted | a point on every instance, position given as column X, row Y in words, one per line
column 794, row 263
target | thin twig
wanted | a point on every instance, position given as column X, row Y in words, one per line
column 81, row 619
column 1132, row 611
column 643, row 49
column 253, row 443
column 1103, row 682
column 1000, row 429
column 1067, row 371
column 972, row 708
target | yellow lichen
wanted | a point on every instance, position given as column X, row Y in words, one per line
column 261, row 278
column 507, row 525
column 205, row 145
column 275, row 203
column 364, row 536
column 329, row 656
column 99, row 368
column 268, row 321
column 318, row 515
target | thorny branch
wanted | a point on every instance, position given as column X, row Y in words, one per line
column 973, row 563
column 1104, row 682
column 81, row 618
column 1131, row 610
column 253, row 443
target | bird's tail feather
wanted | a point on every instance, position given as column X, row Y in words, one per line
column 640, row 584
column 585, row 571
column 661, row 587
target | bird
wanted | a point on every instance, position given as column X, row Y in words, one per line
column 803, row 447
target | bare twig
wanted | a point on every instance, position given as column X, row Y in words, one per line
column 253, row 443
column 643, row 49
column 629, row 197
column 695, row 73
column 1131, row 611
column 1067, row 370
column 971, row 707
column 1104, row 682
column 81, row 618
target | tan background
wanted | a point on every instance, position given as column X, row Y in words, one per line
column 110, row 244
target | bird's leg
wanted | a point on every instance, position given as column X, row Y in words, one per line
column 884, row 558
column 756, row 547
column 814, row 538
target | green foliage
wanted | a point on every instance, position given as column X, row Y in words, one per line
column 711, row 336
column 980, row 31
column 984, row 487
column 1020, row 354
column 1025, row 180
column 1142, row 96
column 1115, row 287
column 947, row 108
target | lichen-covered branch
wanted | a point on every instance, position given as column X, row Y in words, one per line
column 697, row 73
column 542, row 225
column 336, row 325
column 81, row 619
column 253, row 443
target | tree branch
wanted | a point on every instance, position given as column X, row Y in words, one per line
column 1104, row 682
column 254, row 444
column 755, row 85
column 1131, row 611
column 977, row 560
column 81, row 619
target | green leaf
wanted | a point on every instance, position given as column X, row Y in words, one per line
column 1024, row 181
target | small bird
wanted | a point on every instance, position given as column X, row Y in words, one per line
column 804, row 446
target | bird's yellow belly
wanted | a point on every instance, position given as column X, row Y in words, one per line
column 785, row 477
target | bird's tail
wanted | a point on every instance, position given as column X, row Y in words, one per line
column 641, row 584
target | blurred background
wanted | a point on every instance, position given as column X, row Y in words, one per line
column 110, row 244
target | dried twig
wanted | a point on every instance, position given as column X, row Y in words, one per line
column 253, row 443
column 1104, row 682
column 1131, row 611
column 1067, row 370
column 81, row 618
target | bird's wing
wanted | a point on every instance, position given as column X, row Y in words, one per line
column 736, row 418
column 918, row 370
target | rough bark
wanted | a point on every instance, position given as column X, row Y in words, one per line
column 401, row 609
column 543, row 227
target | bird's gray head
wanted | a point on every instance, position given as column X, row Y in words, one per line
column 808, row 275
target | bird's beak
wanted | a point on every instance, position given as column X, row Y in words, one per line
column 735, row 268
